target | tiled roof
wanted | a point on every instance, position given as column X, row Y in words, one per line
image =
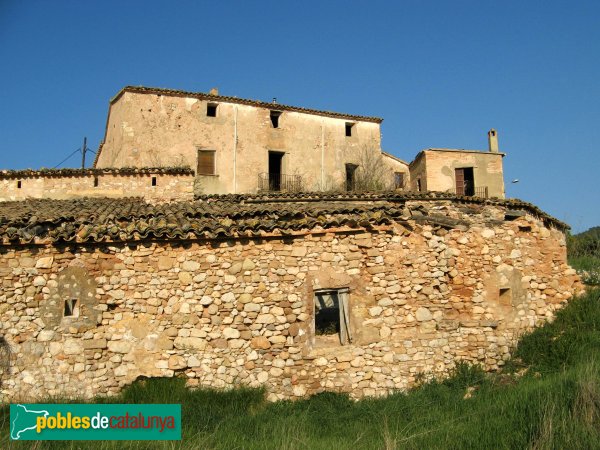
column 240, row 101
column 210, row 217
column 70, row 172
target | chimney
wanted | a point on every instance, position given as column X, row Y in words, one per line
column 214, row 91
column 493, row 141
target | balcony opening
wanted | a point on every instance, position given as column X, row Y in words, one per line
column 275, row 118
column 350, row 176
column 275, row 166
column 465, row 181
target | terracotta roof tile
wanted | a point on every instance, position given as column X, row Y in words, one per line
column 130, row 219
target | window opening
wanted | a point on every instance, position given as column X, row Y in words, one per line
column 211, row 110
column 349, row 128
column 206, row 162
column 153, row 181
column 19, row 184
column 275, row 169
column 398, row 180
column 418, row 184
column 71, row 308
column 332, row 314
column 505, row 296
column 275, row 118
column 95, row 181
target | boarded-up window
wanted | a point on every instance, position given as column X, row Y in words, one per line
column 332, row 314
column 206, row 162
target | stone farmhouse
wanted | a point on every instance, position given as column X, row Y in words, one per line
column 171, row 144
column 296, row 281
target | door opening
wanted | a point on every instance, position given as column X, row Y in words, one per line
column 275, row 166
column 465, row 181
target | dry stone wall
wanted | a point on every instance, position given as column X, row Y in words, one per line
column 223, row 313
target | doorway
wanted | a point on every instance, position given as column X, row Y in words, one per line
column 275, row 166
column 465, row 181
column 350, row 176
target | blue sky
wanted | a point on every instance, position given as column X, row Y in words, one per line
column 440, row 73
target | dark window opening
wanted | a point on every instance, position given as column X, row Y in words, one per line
column 398, row 180
column 19, row 184
column 525, row 228
column 211, row 110
column 332, row 314
column 95, row 181
column 153, row 181
column 418, row 184
column 349, row 127
column 505, row 295
column 350, row 176
column 465, row 181
column 275, row 118
column 206, row 162
column 275, row 169
column 71, row 309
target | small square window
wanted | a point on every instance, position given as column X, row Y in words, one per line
column 332, row 316
column 349, row 129
column 71, row 308
column 211, row 110
column 275, row 115
column 206, row 162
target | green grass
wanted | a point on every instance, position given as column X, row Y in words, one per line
column 548, row 397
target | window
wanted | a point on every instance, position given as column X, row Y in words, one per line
column 211, row 110
column 398, row 180
column 206, row 162
column 71, row 308
column 95, row 181
column 349, row 128
column 505, row 296
column 332, row 316
column 153, row 181
column 275, row 118
column 419, row 184
column 19, row 184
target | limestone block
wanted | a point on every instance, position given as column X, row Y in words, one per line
column 44, row 262
column 423, row 314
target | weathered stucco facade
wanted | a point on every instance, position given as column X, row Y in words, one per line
column 309, row 149
column 223, row 291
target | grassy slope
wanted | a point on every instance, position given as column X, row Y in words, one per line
column 553, row 403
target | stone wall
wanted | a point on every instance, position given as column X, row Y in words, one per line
column 166, row 187
column 241, row 311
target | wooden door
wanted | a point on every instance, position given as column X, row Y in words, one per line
column 459, row 176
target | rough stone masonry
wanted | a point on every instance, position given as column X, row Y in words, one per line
column 258, row 290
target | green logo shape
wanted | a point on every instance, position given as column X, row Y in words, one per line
column 59, row 422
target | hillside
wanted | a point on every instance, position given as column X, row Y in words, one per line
column 548, row 396
column 584, row 254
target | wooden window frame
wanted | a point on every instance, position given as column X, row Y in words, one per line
column 203, row 170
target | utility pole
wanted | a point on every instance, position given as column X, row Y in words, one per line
column 83, row 149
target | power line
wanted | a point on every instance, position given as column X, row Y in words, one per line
column 56, row 166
